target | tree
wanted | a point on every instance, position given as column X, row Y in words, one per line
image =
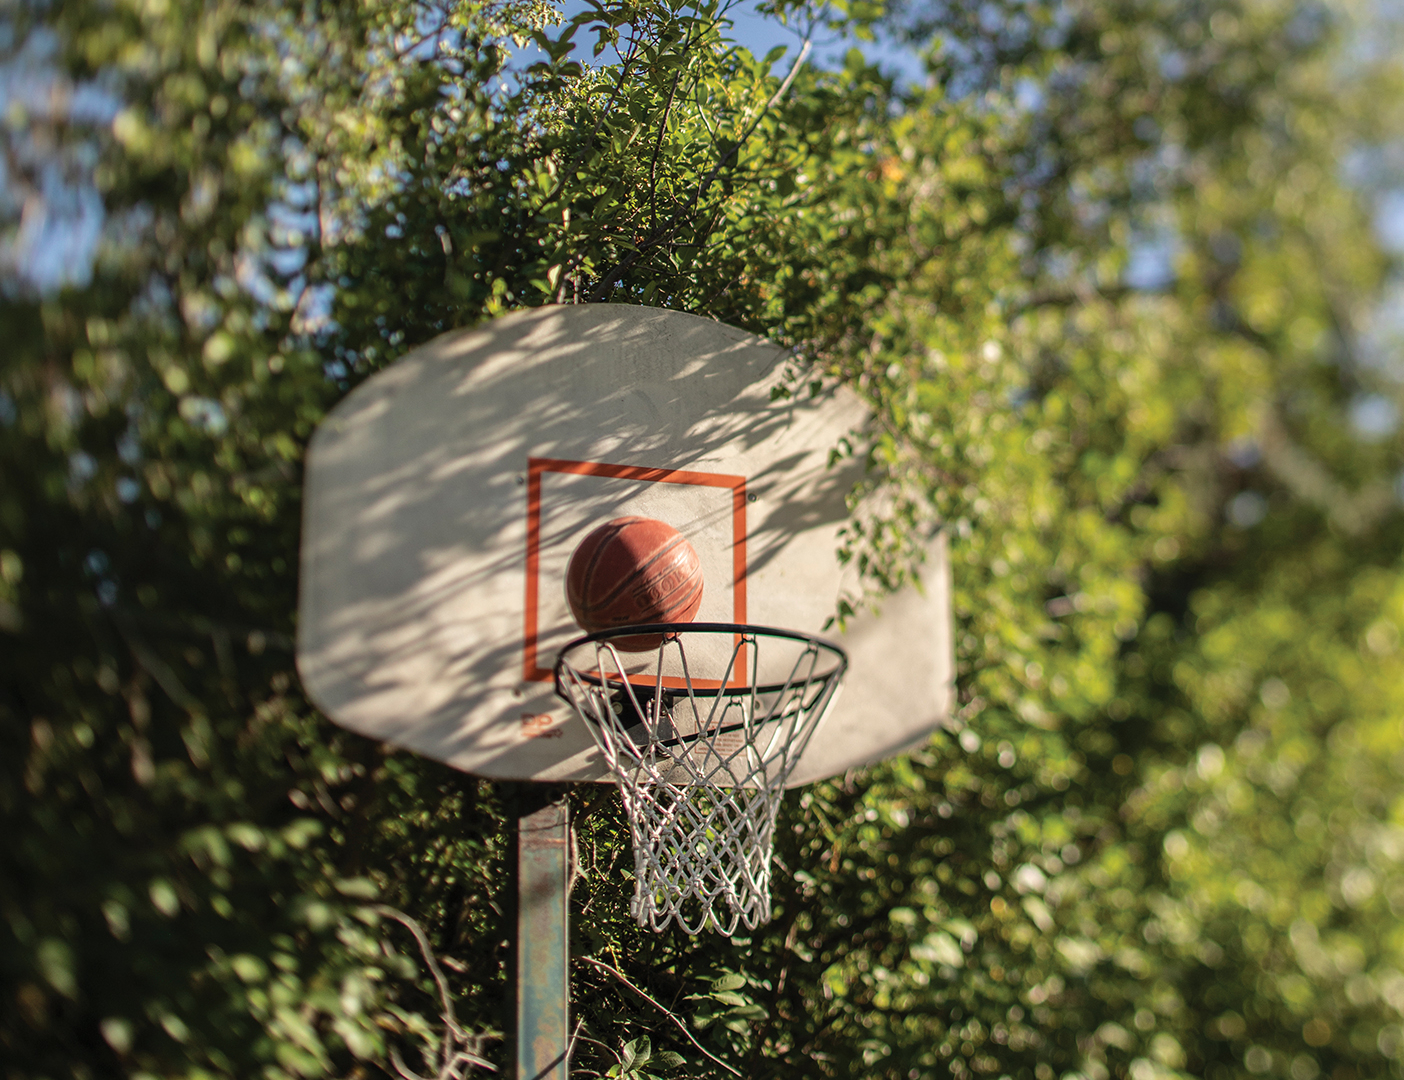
column 1133, row 856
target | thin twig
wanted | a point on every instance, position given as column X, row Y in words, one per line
column 429, row 958
column 658, row 236
column 596, row 1042
column 775, row 98
column 154, row 666
column 658, row 146
column 575, row 162
column 661, row 1008
column 1080, row 295
column 452, row 1056
column 404, row 1070
column 570, row 1043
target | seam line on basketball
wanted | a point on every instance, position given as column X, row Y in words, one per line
column 614, row 593
column 595, row 557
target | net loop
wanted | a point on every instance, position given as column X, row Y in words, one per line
column 702, row 735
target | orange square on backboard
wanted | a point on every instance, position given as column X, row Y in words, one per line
column 537, row 467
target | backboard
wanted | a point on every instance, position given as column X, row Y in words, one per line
column 444, row 497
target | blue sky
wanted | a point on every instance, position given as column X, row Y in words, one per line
column 760, row 33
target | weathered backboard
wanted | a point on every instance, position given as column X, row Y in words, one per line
column 445, row 495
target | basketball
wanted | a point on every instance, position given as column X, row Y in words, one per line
column 633, row 570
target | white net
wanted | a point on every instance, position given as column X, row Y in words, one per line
column 702, row 759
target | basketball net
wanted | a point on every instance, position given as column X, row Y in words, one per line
column 702, row 762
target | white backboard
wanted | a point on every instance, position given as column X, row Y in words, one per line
column 445, row 495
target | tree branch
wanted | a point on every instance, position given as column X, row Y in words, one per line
column 452, row 1056
column 660, row 235
column 1353, row 512
column 661, row 1008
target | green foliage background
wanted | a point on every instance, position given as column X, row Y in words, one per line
column 1164, row 837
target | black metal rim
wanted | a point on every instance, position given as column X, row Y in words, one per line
column 675, row 629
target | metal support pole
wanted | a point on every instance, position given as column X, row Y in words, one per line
column 543, row 957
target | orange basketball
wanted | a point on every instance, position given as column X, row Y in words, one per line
column 633, row 570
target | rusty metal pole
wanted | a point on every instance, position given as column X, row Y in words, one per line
column 543, row 955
